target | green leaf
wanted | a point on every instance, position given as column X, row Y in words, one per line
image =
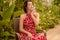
column 8, row 13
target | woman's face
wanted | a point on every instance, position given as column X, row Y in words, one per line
column 29, row 6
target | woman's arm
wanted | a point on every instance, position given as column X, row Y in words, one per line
column 21, row 26
column 35, row 18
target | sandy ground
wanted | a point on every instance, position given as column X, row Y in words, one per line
column 54, row 34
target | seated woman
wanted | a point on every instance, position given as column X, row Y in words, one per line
column 28, row 23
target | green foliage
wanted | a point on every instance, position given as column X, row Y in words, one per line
column 57, row 1
column 18, row 13
column 49, row 16
column 7, row 14
column 6, row 31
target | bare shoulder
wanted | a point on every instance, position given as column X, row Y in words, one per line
column 22, row 16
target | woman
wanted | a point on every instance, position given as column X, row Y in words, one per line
column 28, row 23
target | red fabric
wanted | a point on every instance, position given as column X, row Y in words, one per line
column 30, row 27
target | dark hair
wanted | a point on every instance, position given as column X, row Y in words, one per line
column 25, row 5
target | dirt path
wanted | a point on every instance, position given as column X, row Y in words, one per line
column 54, row 34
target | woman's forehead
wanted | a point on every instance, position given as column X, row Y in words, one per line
column 29, row 2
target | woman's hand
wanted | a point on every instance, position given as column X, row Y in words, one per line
column 35, row 17
column 33, row 13
column 30, row 35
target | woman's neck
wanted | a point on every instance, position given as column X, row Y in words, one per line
column 29, row 12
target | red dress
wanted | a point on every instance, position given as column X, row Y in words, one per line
column 29, row 26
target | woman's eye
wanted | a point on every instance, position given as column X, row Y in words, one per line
column 29, row 4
